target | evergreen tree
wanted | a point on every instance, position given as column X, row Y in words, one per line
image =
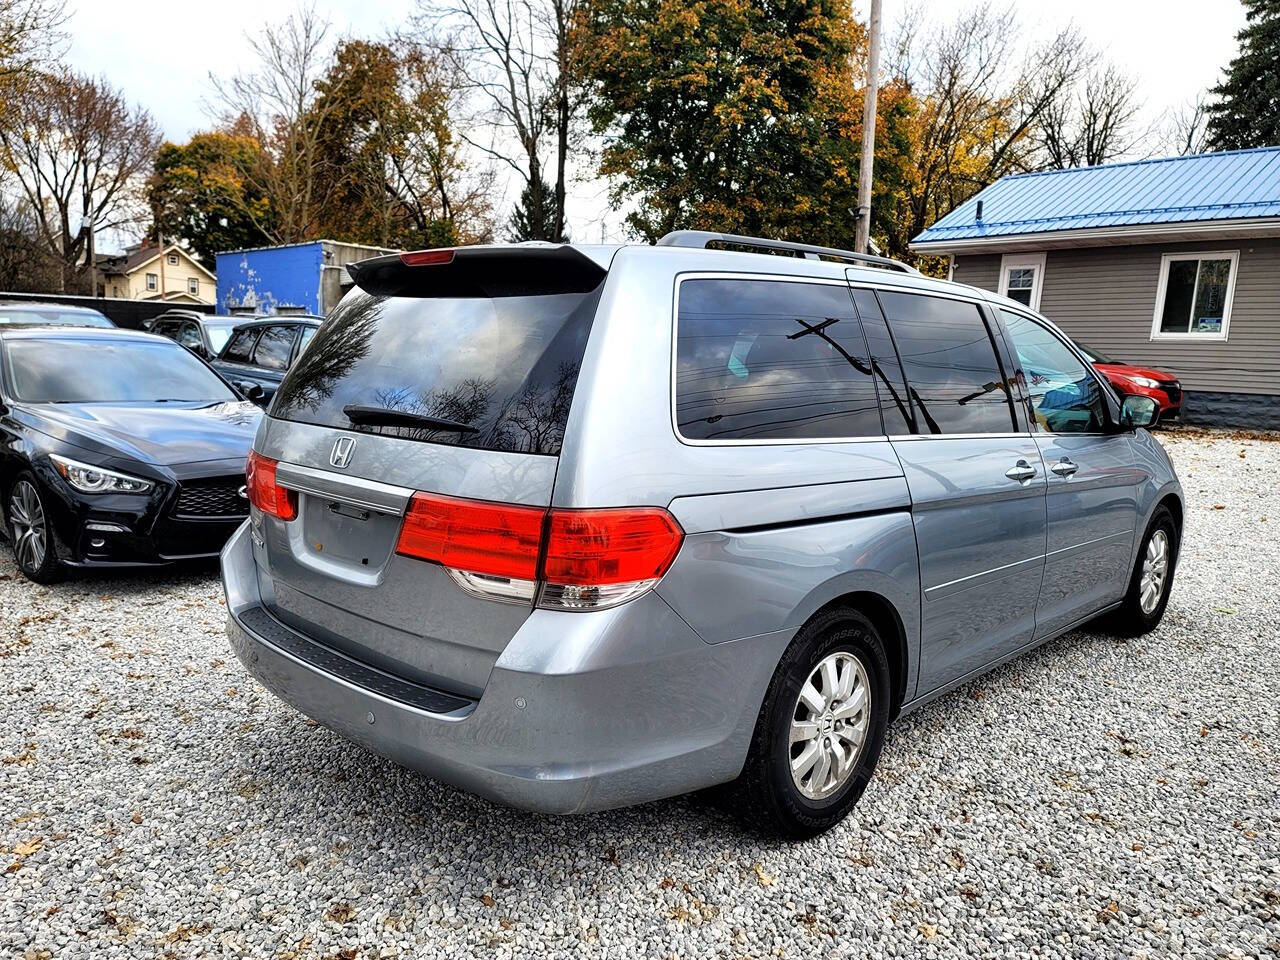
column 534, row 217
column 1247, row 112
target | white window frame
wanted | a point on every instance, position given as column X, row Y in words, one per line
column 1012, row 261
column 1163, row 286
column 193, row 286
column 153, row 281
column 173, row 259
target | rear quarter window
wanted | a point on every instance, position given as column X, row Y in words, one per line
column 771, row 360
column 506, row 367
column 240, row 348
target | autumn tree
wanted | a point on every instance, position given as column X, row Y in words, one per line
column 200, row 195
column 1246, row 111
column 392, row 173
column 30, row 36
column 79, row 156
column 729, row 115
column 978, row 104
column 534, row 217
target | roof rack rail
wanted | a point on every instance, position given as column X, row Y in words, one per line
column 706, row 238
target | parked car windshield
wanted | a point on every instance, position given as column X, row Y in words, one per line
column 52, row 317
column 1096, row 356
column 108, row 371
column 219, row 334
column 494, row 373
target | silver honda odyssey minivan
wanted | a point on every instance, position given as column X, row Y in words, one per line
column 575, row 527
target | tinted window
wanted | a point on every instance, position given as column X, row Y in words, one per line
column 949, row 359
column 1065, row 398
column 240, row 349
column 304, row 338
column 108, row 371
column 505, row 366
column 762, row 359
column 52, row 317
column 895, row 407
column 189, row 337
column 274, row 347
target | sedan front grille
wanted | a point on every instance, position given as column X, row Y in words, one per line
column 213, row 497
column 1173, row 391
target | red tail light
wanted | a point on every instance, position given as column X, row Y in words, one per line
column 425, row 258
column 264, row 493
column 598, row 547
column 494, row 539
column 581, row 559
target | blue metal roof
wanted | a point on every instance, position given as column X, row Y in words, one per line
column 1233, row 185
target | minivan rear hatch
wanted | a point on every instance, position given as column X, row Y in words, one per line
column 445, row 372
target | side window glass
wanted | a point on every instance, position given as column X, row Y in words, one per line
column 240, row 348
column 304, row 338
column 275, row 347
column 765, row 359
column 895, row 405
column 948, row 356
column 1065, row 397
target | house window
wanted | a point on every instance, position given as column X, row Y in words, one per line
column 153, row 281
column 173, row 259
column 1193, row 301
column 1022, row 278
column 193, row 286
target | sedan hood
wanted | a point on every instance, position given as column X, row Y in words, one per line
column 161, row 433
column 1129, row 370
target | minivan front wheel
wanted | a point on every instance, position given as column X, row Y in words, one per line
column 1149, row 584
column 821, row 727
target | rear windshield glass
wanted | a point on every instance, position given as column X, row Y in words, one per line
column 53, row 317
column 497, row 374
column 109, row 371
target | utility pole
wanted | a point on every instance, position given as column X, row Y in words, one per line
column 862, row 234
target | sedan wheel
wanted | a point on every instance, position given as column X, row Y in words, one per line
column 29, row 532
column 1155, row 568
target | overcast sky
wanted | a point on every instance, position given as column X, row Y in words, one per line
column 161, row 55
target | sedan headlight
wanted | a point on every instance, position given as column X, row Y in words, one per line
column 1146, row 382
column 90, row 479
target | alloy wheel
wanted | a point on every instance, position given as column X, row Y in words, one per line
column 26, row 515
column 1155, row 571
column 829, row 725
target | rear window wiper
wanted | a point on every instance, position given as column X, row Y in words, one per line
column 358, row 413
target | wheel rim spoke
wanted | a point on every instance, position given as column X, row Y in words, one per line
column 829, row 725
column 27, row 517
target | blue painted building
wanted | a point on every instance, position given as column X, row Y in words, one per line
column 1171, row 263
column 297, row 278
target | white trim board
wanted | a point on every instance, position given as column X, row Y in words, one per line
column 1162, row 287
column 1013, row 261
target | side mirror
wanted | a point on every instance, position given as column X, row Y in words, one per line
column 1138, row 412
column 254, row 391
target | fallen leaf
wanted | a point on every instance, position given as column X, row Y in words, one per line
column 765, row 879
column 928, row 930
column 487, row 900
column 1219, row 506
column 340, row 913
column 1137, row 846
column 27, row 849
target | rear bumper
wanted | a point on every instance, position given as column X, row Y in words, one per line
column 582, row 711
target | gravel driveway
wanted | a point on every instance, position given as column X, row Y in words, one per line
column 1095, row 798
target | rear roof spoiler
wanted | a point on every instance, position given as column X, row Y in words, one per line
column 480, row 271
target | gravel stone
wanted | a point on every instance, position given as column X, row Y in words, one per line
column 1095, row 798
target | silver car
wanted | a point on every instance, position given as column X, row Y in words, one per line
column 575, row 527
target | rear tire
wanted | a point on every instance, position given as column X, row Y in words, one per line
column 29, row 531
column 1152, row 578
column 821, row 727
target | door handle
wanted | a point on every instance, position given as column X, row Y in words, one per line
column 1021, row 471
column 1064, row 467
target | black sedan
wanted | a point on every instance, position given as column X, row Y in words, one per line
column 117, row 448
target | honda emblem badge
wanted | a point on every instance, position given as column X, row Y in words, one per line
column 341, row 455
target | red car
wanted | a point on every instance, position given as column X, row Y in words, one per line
column 1160, row 386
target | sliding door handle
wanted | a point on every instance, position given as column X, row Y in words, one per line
column 1021, row 471
column 1064, row 467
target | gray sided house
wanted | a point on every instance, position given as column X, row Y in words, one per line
column 1171, row 263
